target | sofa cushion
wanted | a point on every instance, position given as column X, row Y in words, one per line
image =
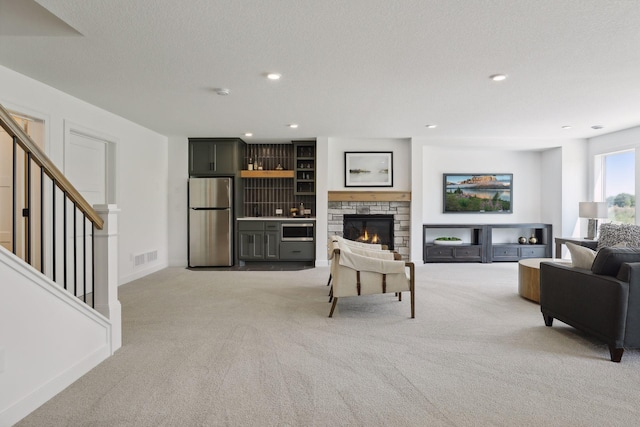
column 609, row 260
column 616, row 234
column 581, row 256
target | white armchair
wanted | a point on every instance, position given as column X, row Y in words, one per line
column 356, row 271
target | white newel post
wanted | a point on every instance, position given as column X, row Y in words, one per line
column 106, row 272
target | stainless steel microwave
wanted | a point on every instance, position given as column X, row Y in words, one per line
column 297, row 231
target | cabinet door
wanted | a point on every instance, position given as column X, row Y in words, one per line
column 210, row 157
column 201, row 158
column 225, row 157
column 271, row 245
column 251, row 245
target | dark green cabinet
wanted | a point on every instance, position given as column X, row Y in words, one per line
column 258, row 240
column 215, row 156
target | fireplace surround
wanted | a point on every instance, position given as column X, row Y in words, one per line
column 399, row 210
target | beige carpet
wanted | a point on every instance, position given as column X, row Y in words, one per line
column 250, row 348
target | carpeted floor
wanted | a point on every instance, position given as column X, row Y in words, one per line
column 255, row 348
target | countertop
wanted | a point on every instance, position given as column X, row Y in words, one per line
column 274, row 218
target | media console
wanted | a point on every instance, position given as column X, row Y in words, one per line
column 487, row 242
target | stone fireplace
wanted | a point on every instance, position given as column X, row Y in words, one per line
column 394, row 205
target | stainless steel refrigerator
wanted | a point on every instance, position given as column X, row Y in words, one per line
column 210, row 222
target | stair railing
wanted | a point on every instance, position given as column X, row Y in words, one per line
column 59, row 184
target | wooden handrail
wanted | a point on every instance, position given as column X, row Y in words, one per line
column 41, row 159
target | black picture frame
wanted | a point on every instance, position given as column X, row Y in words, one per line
column 477, row 193
column 368, row 169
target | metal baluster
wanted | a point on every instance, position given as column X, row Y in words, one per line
column 84, row 256
column 75, row 250
column 93, row 265
column 42, row 220
column 28, row 209
column 64, row 240
column 15, row 200
column 53, row 228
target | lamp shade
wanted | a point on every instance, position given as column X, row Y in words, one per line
column 593, row 210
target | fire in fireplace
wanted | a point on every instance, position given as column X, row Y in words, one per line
column 369, row 229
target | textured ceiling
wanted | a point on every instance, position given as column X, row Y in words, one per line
column 356, row 68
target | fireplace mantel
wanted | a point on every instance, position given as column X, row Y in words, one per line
column 369, row 196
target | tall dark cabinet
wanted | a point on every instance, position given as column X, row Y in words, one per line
column 215, row 156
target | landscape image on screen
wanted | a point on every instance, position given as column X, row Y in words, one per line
column 477, row 193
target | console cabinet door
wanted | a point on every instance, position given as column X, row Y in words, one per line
column 271, row 245
column 251, row 245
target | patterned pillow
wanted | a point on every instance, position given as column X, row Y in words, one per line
column 615, row 234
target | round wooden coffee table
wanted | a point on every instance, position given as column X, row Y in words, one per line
column 529, row 276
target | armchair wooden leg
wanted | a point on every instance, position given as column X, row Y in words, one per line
column 413, row 303
column 548, row 320
column 616, row 353
column 329, row 279
column 333, row 306
column 399, row 296
column 330, row 294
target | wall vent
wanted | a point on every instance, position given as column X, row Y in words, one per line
column 138, row 260
column 145, row 258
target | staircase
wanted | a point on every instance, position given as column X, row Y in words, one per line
column 59, row 312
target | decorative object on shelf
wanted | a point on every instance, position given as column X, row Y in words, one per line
column 260, row 166
column 279, row 167
column 522, row 240
column 452, row 241
column 593, row 211
column 477, row 193
column 250, row 164
column 533, row 240
column 368, row 169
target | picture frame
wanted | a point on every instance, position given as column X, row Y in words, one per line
column 368, row 169
column 477, row 193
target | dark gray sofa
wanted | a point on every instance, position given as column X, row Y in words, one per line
column 603, row 302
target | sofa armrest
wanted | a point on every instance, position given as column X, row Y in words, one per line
column 594, row 303
column 631, row 273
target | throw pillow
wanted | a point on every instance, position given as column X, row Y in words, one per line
column 612, row 234
column 581, row 257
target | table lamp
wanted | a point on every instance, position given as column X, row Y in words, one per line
column 593, row 211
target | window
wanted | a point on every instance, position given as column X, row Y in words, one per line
column 618, row 186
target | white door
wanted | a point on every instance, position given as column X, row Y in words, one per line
column 86, row 166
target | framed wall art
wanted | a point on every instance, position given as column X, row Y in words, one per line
column 477, row 193
column 368, row 169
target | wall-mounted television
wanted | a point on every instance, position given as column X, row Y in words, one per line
column 478, row 193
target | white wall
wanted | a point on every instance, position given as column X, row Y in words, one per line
column 178, row 160
column 526, row 193
column 401, row 148
column 141, row 164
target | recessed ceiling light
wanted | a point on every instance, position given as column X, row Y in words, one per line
column 431, row 126
column 274, row 76
column 222, row 91
column 293, row 125
column 566, row 127
column 248, row 134
column 597, row 127
column 498, row 77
